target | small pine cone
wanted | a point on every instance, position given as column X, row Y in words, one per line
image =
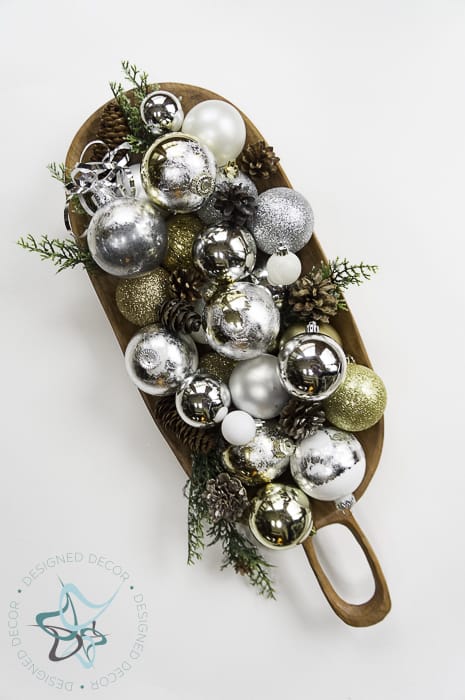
column 187, row 284
column 259, row 160
column 226, row 498
column 236, row 204
column 198, row 441
column 179, row 316
column 113, row 129
column 299, row 419
column 313, row 296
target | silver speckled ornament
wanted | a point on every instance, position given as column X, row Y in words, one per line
column 208, row 212
column 224, row 253
column 329, row 465
column 312, row 366
column 262, row 459
column 280, row 516
column 127, row 237
column 241, row 321
column 203, row 400
column 161, row 112
column 159, row 361
column 256, row 387
column 178, row 173
column 283, row 218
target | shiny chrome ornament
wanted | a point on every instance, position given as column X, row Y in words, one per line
column 159, row 361
column 256, row 387
column 203, row 400
column 224, row 253
column 280, row 516
column 263, row 459
column 178, row 173
column 329, row 465
column 161, row 112
column 260, row 276
column 312, row 366
column 241, row 321
column 208, row 212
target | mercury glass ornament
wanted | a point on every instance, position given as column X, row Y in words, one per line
column 283, row 218
column 178, row 173
column 359, row 402
column 161, row 112
column 261, row 460
column 203, row 400
column 311, row 366
column 224, row 253
column 329, row 465
column 241, row 321
column 280, row 516
column 219, row 126
column 208, row 212
column 127, row 237
column 256, row 387
column 182, row 231
column 139, row 299
column 159, row 361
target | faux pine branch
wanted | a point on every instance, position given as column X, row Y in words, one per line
column 64, row 253
column 140, row 139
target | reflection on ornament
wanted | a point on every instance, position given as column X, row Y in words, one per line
column 139, row 300
column 203, row 400
column 219, row 126
column 256, row 387
column 359, row 402
column 161, row 112
column 281, row 516
column 224, row 253
column 182, row 231
column 283, row 218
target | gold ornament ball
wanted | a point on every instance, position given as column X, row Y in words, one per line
column 218, row 365
column 139, row 299
column 280, row 516
column 182, row 231
column 359, row 402
column 297, row 328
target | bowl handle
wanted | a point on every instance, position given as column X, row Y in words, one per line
column 365, row 614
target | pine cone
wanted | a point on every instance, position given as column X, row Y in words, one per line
column 113, row 130
column 235, row 203
column 179, row 316
column 226, row 498
column 259, row 160
column 199, row 441
column 313, row 297
column 299, row 419
column 187, row 284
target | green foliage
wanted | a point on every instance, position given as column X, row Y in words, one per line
column 63, row 253
column 58, row 172
column 140, row 139
column 343, row 273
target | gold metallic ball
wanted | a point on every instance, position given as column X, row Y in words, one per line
column 182, row 231
column 218, row 365
column 280, row 516
column 359, row 402
column 297, row 328
column 139, row 299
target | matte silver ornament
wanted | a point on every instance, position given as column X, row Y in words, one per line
column 178, row 173
column 161, row 112
column 241, row 321
column 281, row 516
column 256, row 387
column 312, row 366
column 208, row 212
column 127, row 237
column 224, row 253
column 283, row 218
column 159, row 361
column 263, row 459
column 203, row 400
column 329, row 465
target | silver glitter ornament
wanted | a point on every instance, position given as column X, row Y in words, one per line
column 203, row 400
column 224, row 253
column 262, row 459
column 241, row 321
column 127, row 237
column 256, row 387
column 178, row 173
column 280, row 516
column 312, row 366
column 208, row 212
column 329, row 466
column 159, row 361
column 283, row 218
column 161, row 112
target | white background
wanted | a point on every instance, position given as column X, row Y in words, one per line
column 364, row 102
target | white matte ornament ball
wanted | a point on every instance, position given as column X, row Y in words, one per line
column 283, row 269
column 238, row 428
column 219, row 126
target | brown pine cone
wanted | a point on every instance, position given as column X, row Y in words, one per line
column 198, row 441
column 236, row 204
column 113, row 129
column 313, row 296
column 187, row 284
column 179, row 316
column 226, row 498
column 259, row 160
column 299, row 419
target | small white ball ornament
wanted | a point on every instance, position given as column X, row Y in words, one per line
column 283, row 268
column 219, row 126
column 238, row 428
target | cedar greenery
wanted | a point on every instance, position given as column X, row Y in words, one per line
column 139, row 138
column 63, row 253
column 58, row 172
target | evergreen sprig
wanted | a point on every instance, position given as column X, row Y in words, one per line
column 343, row 273
column 58, row 171
column 139, row 138
column 64, row 253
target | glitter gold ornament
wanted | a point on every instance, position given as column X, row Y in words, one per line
column 182, row 231
column 359, row 402
column 219, row 365
column 139, row 299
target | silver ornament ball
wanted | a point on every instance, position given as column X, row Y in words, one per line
column 283, row 218
column 161, row 112
column 241, row 321
column 280, row 516
column 203, row 400
column 260, row 276
column 159, row 361
column 256, row 387
column 127, row 237
column 208, row 212
column 224, row 253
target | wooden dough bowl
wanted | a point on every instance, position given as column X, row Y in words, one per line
column 325, row 514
